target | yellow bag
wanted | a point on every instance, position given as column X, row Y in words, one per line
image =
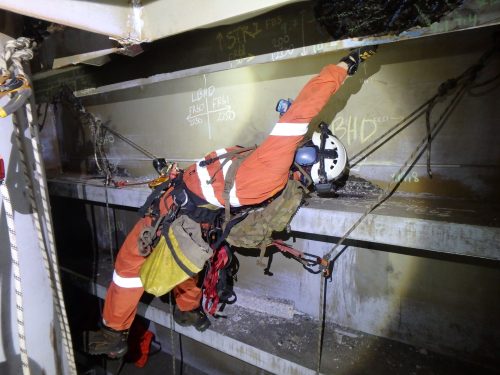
column 181, row 253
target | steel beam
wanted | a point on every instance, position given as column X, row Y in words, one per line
column 410, row 223
column 135, row 23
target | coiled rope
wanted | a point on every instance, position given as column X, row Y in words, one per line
column 17, row 51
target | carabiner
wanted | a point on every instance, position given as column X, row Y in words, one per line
column 21, row 94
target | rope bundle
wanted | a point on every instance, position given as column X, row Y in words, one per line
column 11, row 63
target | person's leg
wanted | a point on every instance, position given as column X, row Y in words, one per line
column 188, row 294
column 126, row 288
column 122, row 298
column 188, row 311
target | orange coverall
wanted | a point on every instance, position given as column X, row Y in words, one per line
column 261, row 175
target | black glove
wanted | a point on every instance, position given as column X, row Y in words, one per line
column 357, row 56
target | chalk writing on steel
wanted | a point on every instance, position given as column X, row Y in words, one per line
column 235, row 40
column 352, row 129
column 208, row 107
column 359, row 130
column 411, row 177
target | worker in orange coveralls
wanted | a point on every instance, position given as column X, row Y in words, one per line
column 262, row 175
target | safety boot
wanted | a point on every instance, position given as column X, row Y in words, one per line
column 357, row 56
column 107, row 341
column 196, row 318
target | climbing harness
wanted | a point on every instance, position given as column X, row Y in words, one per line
column 460, row 84
column 15, row 52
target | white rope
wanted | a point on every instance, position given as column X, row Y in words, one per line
column 15, row 53
column 60, row 305
column 14, row 253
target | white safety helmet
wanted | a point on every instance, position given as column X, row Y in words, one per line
column 325, row 158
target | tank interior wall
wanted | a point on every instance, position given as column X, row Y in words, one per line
column 446, row 305
column 188, row 117
column 439, row 304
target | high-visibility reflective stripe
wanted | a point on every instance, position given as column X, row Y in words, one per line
column 127, row 282
column 289, row 129
column 206, row 189
column 233, row 199
column 227, row 164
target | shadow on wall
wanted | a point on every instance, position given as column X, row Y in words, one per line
column 443, row 305
column 440, row 302
column 351, row 87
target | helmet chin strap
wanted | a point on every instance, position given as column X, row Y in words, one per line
column 307, row 175
column 324, row 136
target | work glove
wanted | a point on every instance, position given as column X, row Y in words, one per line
column 357, row 56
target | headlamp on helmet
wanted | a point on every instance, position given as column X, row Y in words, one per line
column 283, row 105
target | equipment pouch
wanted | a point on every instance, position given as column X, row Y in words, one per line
column 180, row 254
column 256, row 229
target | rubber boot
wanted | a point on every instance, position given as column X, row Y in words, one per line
column 107, row 341
column 196, row 318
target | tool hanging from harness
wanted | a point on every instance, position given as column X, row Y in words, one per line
column 150, row 234
column 253, row 227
